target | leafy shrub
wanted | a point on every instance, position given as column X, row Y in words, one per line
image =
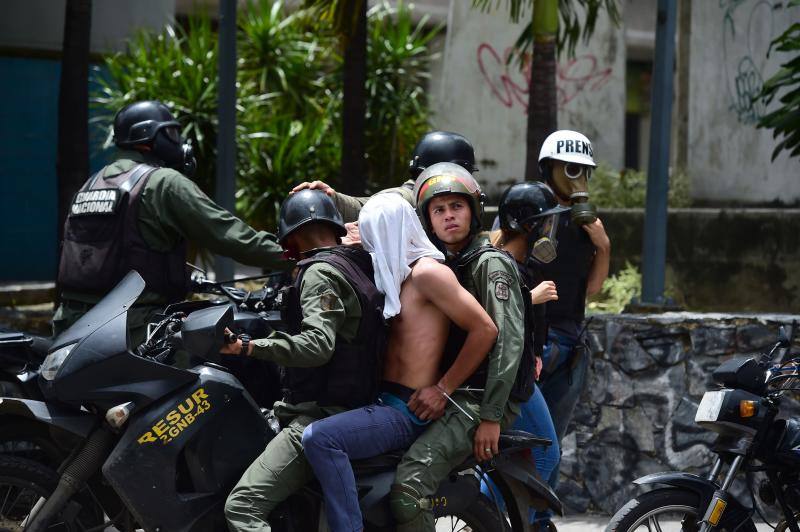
column 628, row 188
column 288, row 124
column 618, row 290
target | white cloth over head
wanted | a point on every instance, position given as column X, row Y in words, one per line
column 393, row 235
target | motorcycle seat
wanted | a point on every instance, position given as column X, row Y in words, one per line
column 510, row 440
column 377, row 464
column 519, row 439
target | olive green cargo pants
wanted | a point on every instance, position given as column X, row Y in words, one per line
column 280, row 471
column 441, row 448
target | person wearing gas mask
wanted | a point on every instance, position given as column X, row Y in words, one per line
column 140, row 212
column 528, row 216
column 434, row 147
column 578, row 270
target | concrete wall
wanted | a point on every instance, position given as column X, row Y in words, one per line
column 728, row 158
column 39, row 24
column 485, row 99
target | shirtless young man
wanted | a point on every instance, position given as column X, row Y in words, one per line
column 422, row 297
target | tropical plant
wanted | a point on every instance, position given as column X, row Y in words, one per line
column 289, row 96
column 628, row 189
column 397, row 104
column 348, row 19
column 618, row 290
column 546, row 36
column 785, row 120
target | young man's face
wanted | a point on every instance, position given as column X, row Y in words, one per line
column 450, row 216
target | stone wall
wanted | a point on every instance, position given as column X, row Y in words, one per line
column 636, row 415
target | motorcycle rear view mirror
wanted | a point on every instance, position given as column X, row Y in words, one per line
column 203, row 331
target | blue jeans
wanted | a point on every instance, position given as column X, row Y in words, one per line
column 535, row 418
column 329, row 445
column 562, row 388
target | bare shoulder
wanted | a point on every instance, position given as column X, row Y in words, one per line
column 431, row 273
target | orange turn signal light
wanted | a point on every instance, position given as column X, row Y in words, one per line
column 747, row 408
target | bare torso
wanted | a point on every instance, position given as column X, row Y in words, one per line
column 417, row 337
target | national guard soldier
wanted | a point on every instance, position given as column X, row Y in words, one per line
column 139, row 213
column 449, row 201
column 434, row 147
column 336, row 334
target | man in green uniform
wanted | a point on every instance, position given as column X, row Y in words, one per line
column 330, row 354
column 434, row 147
column 449, row 201
column 139, row 213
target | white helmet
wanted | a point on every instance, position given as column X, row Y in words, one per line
column 568, row 146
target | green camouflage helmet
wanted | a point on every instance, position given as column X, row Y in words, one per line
column 448, row 178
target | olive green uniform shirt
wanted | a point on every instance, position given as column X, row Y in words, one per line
column 350, row 206
column 493, row 280
column 172, row 207
column 330, row 308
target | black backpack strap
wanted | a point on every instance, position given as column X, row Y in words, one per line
column 137, row 174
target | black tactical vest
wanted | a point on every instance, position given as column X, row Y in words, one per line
column 102, row 242
column 523, row 386
column 570, row 272
column 351, row 377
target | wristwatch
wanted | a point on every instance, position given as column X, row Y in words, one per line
column 245, row 338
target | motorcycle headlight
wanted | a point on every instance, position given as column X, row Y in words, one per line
column 53, row 362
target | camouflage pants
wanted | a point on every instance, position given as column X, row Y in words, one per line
column 441, row 448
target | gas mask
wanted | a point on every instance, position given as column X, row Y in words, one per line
column 571, row 182
column 176, row 154
column 542, row 240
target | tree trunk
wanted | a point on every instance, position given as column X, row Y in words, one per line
column 72, row 157
column 542, row 105
column 353, row 169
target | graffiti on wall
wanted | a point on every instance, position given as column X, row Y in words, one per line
column 510, row 84
column 744, row 47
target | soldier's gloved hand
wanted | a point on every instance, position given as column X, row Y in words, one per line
column 485, row 443
column 427, row 403
column 314, row 185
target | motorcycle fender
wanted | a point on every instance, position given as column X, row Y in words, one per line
column 71, row 420
column 703, row 487
column 521, row 469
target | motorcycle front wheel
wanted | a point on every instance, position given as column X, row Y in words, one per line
column 24, row 484
column 671, row 509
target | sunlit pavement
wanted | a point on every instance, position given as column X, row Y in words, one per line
column 596, row 523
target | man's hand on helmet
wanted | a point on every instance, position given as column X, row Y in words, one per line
column 314, row 185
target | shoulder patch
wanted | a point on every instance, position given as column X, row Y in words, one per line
column 501, row 291
column 498, row 276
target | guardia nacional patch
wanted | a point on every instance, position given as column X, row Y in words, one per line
column 98, row 201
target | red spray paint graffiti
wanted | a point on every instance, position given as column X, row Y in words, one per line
column 510, row 84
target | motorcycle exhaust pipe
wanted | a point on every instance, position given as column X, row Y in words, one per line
column 74, row 477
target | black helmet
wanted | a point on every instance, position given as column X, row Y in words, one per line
column 524, row 203
column 138, row 123
column 305, row 207
column 442, row 147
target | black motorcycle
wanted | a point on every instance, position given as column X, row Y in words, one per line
column 21, row 356
column 752, row 440
column 161, row 447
